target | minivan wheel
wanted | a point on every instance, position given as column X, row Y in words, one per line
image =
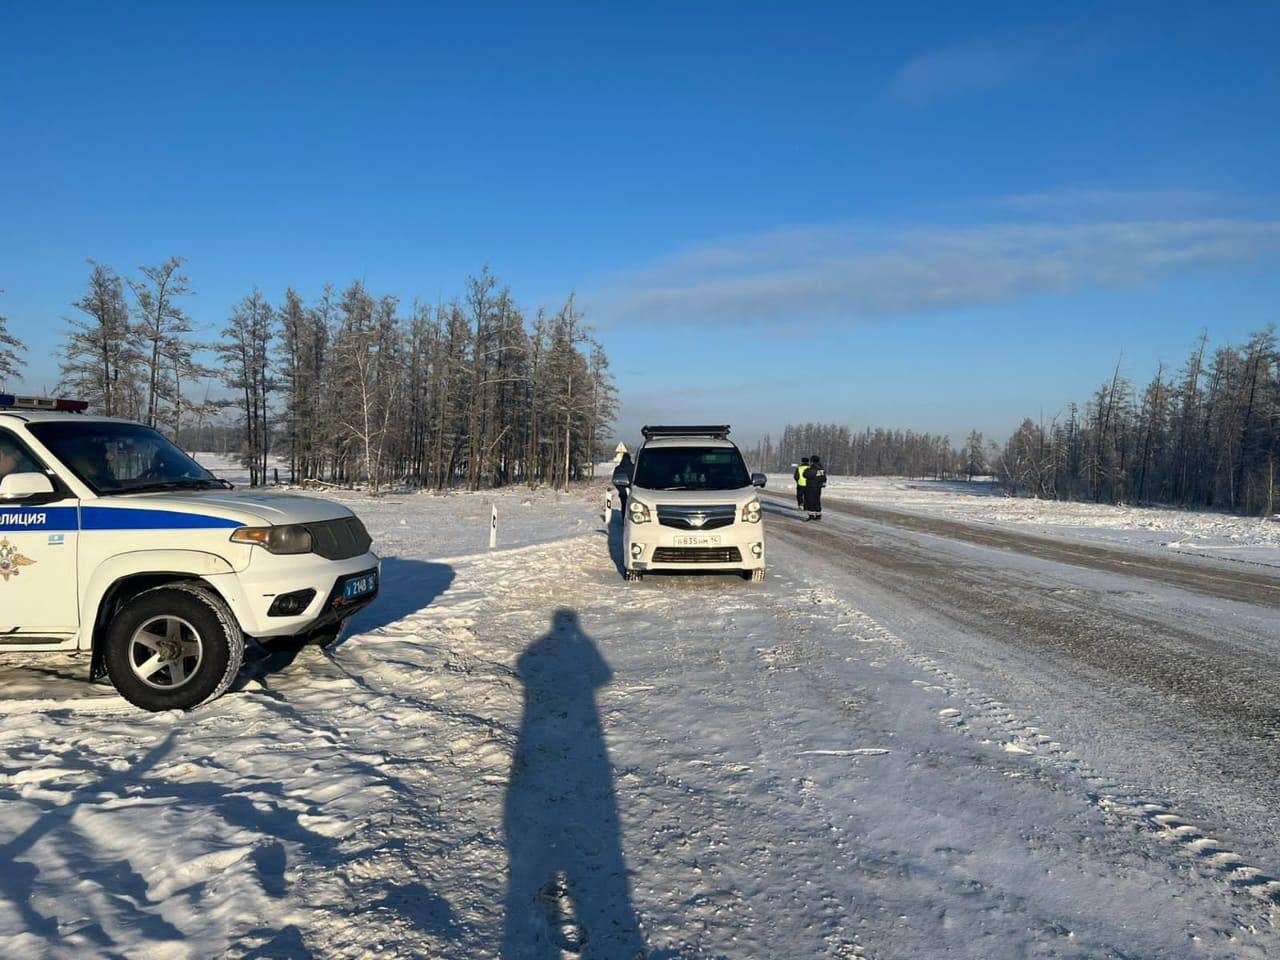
column 754, row 576
column 173, row 647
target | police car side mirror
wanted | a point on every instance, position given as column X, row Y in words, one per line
column 621, row 478
column 24, row 486
column 759, row 479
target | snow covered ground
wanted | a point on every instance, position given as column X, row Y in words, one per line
column 1221, row 535
column 514, row 754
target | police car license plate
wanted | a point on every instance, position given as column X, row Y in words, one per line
column 705, row 540
column 360, row 586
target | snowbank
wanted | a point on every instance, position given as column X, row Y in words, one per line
column 1220, row 535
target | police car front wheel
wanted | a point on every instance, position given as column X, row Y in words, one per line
column 173, row 647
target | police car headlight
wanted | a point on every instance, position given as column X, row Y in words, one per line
column 639, row 512
column 283, row 539
column 751, row 512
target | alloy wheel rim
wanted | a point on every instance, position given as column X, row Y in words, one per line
column 166, row 652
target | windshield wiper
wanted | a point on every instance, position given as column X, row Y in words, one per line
column 187, row 483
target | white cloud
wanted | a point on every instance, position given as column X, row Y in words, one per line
column 985, row 63
column 841, row 274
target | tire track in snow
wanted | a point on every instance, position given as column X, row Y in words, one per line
column 1015, row 735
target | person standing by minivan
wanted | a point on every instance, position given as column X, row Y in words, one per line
column 798, row 476
column 624, row 464
column 814, row 480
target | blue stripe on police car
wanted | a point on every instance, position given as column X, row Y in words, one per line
column 46, row 519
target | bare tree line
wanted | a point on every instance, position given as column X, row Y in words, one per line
column 871, row 452
column 11, row 350
column 1207, row 435
column 349, row 388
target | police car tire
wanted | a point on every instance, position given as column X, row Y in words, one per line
column 219, row 632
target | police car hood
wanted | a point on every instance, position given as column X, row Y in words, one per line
column 696, row 498
column 250, row 508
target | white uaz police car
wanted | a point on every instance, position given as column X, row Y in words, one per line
column 115, row 542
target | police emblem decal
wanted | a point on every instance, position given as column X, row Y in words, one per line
column 11, row 560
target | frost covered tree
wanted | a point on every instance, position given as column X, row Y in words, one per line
column 100, row 361
column 164, row 330
column 11, row 350
column 975, row 461
column 245, row 352
column 367, row 377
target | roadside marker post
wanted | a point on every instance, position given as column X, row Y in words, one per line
column 493, row 526
column 607, row 513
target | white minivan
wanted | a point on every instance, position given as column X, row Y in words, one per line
column 691, row 505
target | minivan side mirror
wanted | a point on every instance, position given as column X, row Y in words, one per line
column 622, row 478
column 759, row 479
column 24, row 486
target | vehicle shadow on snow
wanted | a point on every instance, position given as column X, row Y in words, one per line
column 406, row 587
column 567, row 886
column 614, row 532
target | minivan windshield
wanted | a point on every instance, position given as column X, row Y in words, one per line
column 691, row 468
column 120, row 457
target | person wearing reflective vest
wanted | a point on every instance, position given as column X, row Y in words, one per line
column 814, row 480
column 798, row 476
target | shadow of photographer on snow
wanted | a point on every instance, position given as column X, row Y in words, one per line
column 567, row 882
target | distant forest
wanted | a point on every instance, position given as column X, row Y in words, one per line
column 346, row 388
column 1207, row 435
column 872, row 452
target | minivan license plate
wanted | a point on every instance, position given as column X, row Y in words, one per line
column 706, row 540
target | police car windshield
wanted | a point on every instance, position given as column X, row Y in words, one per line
column 115, row 457
column 691, row 468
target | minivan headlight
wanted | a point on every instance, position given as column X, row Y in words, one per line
column 288, row 539
column 751, row 512
column 639, row 512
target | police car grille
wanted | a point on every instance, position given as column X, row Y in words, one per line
column 686, row 517
column 339, row 539
column 697, row 555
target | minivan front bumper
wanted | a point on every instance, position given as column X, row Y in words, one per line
column 651, row 546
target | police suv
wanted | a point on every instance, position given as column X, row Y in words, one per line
column 115, row 542
column 691, row 505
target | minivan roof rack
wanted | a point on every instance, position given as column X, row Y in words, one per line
column 720, row 432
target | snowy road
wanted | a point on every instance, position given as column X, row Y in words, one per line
column 900, row 746
column 1221, row 580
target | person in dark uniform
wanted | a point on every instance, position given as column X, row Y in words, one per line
column 798, row 476
column 814, row 480
column 624, row 464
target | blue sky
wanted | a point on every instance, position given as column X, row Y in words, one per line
column 927, row 216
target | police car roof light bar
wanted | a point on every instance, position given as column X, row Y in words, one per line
column 10, row 402
column 720, row 432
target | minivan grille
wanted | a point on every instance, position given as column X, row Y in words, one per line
column 339, row 539
column 697, row 555
column 696, row 517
